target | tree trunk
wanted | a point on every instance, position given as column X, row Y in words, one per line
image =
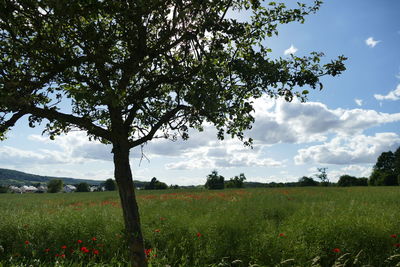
column 123, row 176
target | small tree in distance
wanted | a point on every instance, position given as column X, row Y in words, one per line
column 215, row 181
column 323, row 176
column 83, row 187
column 236, row 182
column 55, row 186
column 307, row 181
column 110, row 185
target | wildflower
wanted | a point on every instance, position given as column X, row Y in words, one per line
column 63, row 247
column 397, row 245
column 94, row 239
column 336, row 250
column 199, row 235
column 162, row 218
column 47, row 250
column 84, row 249
column 57, row 255
column 147, row 251
column 157, row 230
column 393, row 236
column 95, row 251
column 62, row 256
column 79, row 241
column 27, row 242
column 282, row 235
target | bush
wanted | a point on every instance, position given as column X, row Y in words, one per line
column 55, row 186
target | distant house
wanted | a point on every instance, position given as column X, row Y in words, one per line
column 42, row 189
column 28, row 189
column 69, row 188
column 15, row 189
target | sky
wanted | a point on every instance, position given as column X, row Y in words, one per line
column 343, row 128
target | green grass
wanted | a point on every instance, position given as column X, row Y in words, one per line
column 267, row 227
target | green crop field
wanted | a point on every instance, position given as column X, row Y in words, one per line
column 317, row 226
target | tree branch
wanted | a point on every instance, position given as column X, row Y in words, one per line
column 164, row 119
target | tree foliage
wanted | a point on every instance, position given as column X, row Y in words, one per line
column 156, row 185
column 236, row 182
column 215, row 181
column 323, row 176
column 83, row 187
column 386, row 170
column 348, row 180
column 109, row 185
column 307, row 181
column 55, row 186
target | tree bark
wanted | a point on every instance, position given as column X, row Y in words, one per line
column 123, row 176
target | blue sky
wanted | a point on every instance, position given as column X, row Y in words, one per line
column 343, row 127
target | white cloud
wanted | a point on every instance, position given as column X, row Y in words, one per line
column 371, row 42
column 15, row 156
column 290, row 50
column 343, row 150
column 359, row 102
column 392, row 95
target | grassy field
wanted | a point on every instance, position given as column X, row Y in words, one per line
column 260, row 227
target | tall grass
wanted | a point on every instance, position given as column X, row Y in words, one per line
column 264, row 227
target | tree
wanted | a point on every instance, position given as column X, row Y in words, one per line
column 110, row 185
column 215, row 181
column 307, row 181
column 323, row 176
column 156, row 185
column 132, row 71
column 236, row 182
column 347, row 180
column 83, row 187
column 385, row 170
column 55, row 186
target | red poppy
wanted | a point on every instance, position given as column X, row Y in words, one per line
column 95, row 251
column 57, row 255
column 397, row 245
column 199, row 235
column 47, row 250
column 281, row 234
column 84, row 249
column 27, row 242
column 79, row 241
column 63, row 247
column 62, row 256
column 336, row 250
column 393, row 236
column 94, row 238
column 162, row 218
column 157, row 230
column 147, row 251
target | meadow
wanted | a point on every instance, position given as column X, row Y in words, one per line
column 356, row 226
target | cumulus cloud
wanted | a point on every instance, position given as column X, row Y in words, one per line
column 311, row 122
column 392, row 95
column 290, row 50
column 371, row 42
column 359, row 102
column 343, row 150
column 17, row 156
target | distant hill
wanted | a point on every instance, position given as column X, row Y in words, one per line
column 11, row 177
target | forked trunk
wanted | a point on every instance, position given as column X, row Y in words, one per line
column 123, row 176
